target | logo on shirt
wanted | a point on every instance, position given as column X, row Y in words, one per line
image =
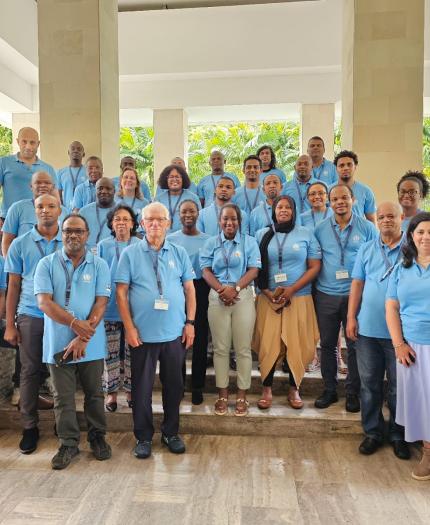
column 237, row 254
column 108, row 288
column 171, row 264
column 356, row 238
column 296, row 247
column 86, row 277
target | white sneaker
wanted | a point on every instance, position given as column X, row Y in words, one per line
column 15, row 397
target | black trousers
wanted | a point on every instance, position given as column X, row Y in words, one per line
column 171, row 355
column 200, row 346
column 269, row 378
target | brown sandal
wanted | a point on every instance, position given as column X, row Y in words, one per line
column 241, row 407
column 221, row 406
column 294, row 400
column 264, row 404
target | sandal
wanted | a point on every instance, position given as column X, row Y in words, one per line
column 241, row 407
column 221, row 406
column 294, row 399
column 264, row 404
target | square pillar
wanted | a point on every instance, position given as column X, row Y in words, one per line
column 317, row 119
column 78, row 79
column 170, row 137
column 382, row 95
column 23, row 120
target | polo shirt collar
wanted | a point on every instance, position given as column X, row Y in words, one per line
column 296, row 178
column 36, row 236
column 402, row 239
column 336, row 225
column 235, row 239
column 89, row 256
column 145, row 246
column 37, row 161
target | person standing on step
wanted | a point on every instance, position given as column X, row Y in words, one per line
column 72, row 175
column 268, row 163
column 85, row 193
column 261, row 216
column 366, row 325
column 157, row 304
column 206, row 186
column 322, row 169
column 250, row 195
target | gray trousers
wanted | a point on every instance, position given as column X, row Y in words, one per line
column 64, row 382
column 31, row 347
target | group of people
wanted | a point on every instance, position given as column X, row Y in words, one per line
column 103, row 277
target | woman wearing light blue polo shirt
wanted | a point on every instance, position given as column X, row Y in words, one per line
column 408, row 320
column 123, row 224
column 412, row 189
column 286, row 320
column 317, row 197
column 230, row 263
column 174, row 183
column 129, row 192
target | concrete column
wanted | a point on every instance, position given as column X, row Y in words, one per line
column 170, row 137
column 382, row 98
column 23, row 120
column 78, row 79
column 317, row 119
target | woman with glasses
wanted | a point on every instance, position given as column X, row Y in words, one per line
column 174, row 183
column 123, row 225
column 129, row 192
column 412, row 188
column 286, row 321
column 317, row 197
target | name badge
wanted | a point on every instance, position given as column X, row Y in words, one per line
column 280, row 277
column 161, row 304
column 94, row 250
column 342, row 274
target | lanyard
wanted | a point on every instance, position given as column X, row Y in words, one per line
column 117, row 248
column 301, row 197
column 226, row 256
column 342, row 247
column 42, row 253
column 269, row 219
column 68, row 277
column 388, row 266
column 280, row 247
column 154, row 258
column 132, row 202
column 318, row 170
column 101, row 224
column 216, row 215
column 92, row 190
column 213, row 181
column 172, row 211
column 313, row 217
column 247, row 199
column 74, row 179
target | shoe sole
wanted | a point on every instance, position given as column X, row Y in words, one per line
column 139, row 456
column 173, row 451
column 28, row 451
column 62, row 467
column 421, row 478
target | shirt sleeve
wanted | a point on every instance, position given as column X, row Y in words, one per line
column 188, row 273
column 393, row 283
column 103, row 285
column 14, row 262
column 42, row 277
column 253, row 257
column 11, row 223
column 369, row 202
column 207, row 254
column 200, row 190
column 359, row 271
column 59, row 180
column 2, row 274
column 200, row 223
column 53, row 174
column 314, row 249
column 123, row 271
column 77, row 198
column 2, row 169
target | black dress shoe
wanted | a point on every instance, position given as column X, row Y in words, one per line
column 173, row 443
column 28, row 443
column 112, row 406
column 143, row 449
column 196, row 397
column 401, row 449
column 369, row 446
column 326, row 399
column 352, row 403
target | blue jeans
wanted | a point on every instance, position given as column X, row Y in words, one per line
column 376, row 356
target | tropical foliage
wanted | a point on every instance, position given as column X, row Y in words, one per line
column 5, row 141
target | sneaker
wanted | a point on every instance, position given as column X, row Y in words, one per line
column 100, row 448
column 173, row 443
column 63, row 457
column 28, row 443
column 369, row 446
column 15, row 397
column 326, row 399
column 143, row 449
column 401, row 449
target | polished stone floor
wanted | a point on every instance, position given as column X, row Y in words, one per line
column 225, row 480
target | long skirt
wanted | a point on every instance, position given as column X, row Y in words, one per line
column 413, row 395
column 293, row 331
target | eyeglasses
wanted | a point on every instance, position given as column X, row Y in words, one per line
column 78, row 231
column 121, row 219
column 317, row 193
column 411, row 193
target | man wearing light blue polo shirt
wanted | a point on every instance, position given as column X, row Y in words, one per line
column 322, row 169
column 16, row 170
column 208, row 221
column 250, row 195
column 298, row 187
column 73, row 287
column 24, row 320
column 206, row 187
column 346, row 163
column 96, row 213
column 261, row 216
column 85, row 193
column 366, row 325
column 157, row 304
column 72, row 175
column 340, row 238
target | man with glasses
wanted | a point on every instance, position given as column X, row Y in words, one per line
column 157, row 304
column 72, row 287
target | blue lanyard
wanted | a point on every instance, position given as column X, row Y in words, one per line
column 302, row 199
column 68, row 277
column 342, row 247
column 388, row 266
column 92, row 190
column 318, row 171
column 248, row 203
column 101, row 223
column 172, row 211
column 227, row 257
column 42, row 253
column 74, row 179
column 313, row 217
column 155, row 262
column 280, row 246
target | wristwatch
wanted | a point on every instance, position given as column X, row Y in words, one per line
column 190, row 321
column 237, row 288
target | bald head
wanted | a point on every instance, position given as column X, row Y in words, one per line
column 41, row 183
column 303, row 168
column 48, row 210
column 389, row 218
column 178, row 161
column 28, row 143
column 105, row 191
column 76, row 153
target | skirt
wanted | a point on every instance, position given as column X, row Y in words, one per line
column 293, row 331
column 413, row 395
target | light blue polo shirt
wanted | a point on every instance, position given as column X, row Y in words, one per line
column 411, row 287
column 298, row 191
column 310, row 219
column 208, row 220
column 85, row 193
column 15, row 177
column 326, row 173
column 364, row 199
column 192, row 188
column 69, row 179
column 110, row 251
column 248, row 198
column 371, row 267
column 97, row 223
column 300, row 245
column 21, row 217
column 206, row 186
column 136, row 269
column 242, row 252
column 261, row 217
column 22, row 259
column 174, row 203
column 193, row 245
column 144, row 188
column 135, row 204
column 359, row 231
column 273, row 171
column 2, row 274
column 90, row 279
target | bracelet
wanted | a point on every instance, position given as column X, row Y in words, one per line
column 71, row 324
column 399, row 345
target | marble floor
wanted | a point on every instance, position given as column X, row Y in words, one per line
column 225, row 480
